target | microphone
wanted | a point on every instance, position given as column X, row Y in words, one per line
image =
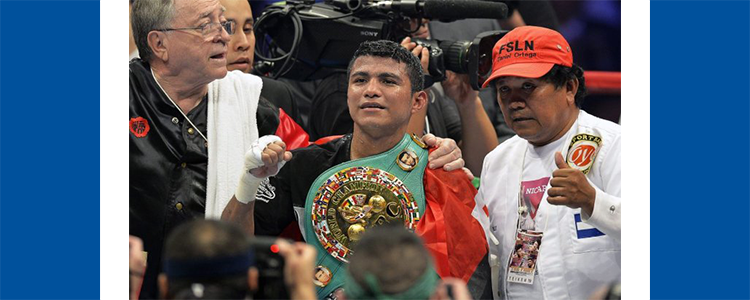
column 450, row 10
column 447, row 10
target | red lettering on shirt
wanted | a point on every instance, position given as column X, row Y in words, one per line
column 533, row 191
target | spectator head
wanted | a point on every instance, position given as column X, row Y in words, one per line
column 185, row 37
column 207, row 259
column 390, row 262
column 539, row 88
column 241, row 47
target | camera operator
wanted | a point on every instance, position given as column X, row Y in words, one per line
column 208, row 259
column 520, row 13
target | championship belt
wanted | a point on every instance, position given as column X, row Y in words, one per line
column 350, row 198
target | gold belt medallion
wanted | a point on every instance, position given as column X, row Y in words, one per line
column 356, row 199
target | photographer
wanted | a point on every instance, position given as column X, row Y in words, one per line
column 214, row 260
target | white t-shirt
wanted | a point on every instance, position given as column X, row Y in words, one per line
column 539, row 163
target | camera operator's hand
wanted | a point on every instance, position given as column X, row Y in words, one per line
column 418, row 51
column 137, row 266
column 299, row 260
column 457, row 87
column 478, row 136
column 419, row 28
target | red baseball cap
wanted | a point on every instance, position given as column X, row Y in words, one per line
column 529, row 52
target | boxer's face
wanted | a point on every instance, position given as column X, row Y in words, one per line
column 242, row 45
column 379, row 95
column 536, row 110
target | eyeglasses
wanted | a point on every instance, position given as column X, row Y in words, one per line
column 208, row 29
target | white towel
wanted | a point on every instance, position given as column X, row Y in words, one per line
column 232, row 128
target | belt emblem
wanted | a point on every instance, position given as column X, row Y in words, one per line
column 356, row 199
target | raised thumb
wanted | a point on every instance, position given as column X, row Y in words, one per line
column 560, row 161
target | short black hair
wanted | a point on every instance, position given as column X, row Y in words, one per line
column 560, row 75
column 394, row 255
column 390, row 49
column 207, row 239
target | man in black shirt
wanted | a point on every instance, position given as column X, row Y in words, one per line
column 176, row 115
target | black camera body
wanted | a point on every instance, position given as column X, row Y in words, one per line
column 463, row 57
column 303, row 40
column 325, row 42
column 270, row 265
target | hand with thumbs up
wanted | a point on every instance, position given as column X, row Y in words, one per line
column 570, row 187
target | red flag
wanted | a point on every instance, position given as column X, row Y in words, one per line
column 291, row 133
column 453, row 236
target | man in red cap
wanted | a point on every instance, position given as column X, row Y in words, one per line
column 553, row 190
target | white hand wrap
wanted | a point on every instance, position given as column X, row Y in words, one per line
column 249, row 184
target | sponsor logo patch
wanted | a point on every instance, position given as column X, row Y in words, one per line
column 582, row 151
column 139, row 126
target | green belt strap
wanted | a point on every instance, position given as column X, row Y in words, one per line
column 385, row 161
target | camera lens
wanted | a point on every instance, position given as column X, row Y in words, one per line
column 456, row 55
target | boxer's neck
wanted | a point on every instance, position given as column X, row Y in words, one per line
column 364, row 145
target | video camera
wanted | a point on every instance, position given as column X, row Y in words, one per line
column 303, row 40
